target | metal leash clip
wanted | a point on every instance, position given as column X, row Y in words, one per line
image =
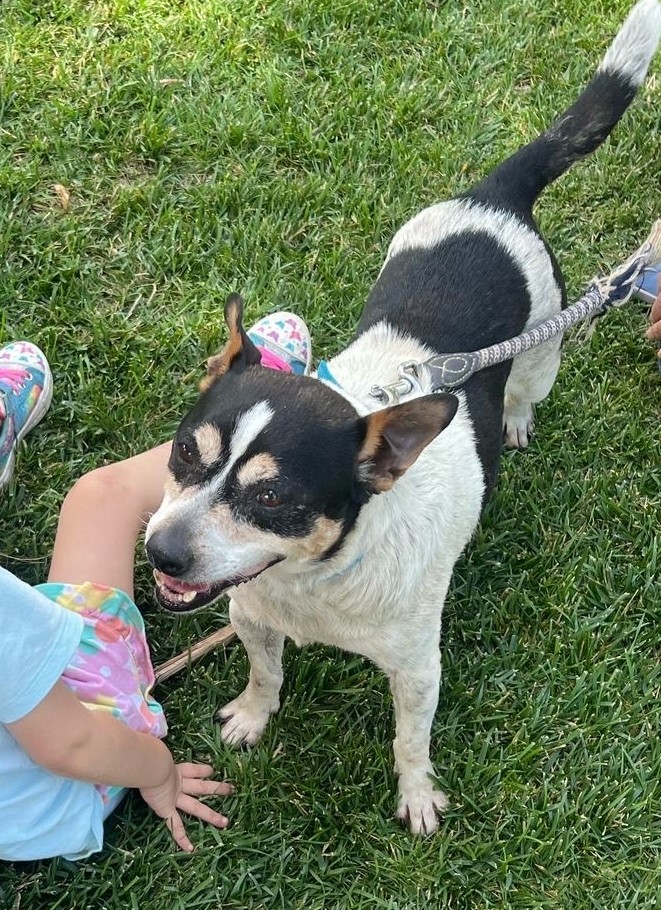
column 407, row 384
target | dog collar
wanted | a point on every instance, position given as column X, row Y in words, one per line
column 324, row 373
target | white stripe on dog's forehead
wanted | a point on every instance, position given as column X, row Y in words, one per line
column 193, row 503
column 248, row 427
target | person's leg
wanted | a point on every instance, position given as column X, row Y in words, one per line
column 102, row 517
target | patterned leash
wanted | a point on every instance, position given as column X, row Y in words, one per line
column 449, row 371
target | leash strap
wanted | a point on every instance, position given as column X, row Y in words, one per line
column 449, row 371
column 446, row 372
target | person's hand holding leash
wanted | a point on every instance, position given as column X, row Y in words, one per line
column 654, row 331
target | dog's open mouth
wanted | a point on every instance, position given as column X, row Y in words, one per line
column 182, row 597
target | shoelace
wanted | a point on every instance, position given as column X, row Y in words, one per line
column 14, row 377
column 271, row 360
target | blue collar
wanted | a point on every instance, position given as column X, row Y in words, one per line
column 345, row 571
column 324, row 373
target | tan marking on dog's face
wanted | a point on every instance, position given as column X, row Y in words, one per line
column 209, row 443
column 260, row 467
column 324, row 534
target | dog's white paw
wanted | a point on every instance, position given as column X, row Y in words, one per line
column 245, row 719
column 518, row 426
column 518, row 437
column 420, row 807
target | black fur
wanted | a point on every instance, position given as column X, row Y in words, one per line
column 317, row 455
column 468, row 292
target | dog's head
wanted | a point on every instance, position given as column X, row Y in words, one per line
column 269, row 466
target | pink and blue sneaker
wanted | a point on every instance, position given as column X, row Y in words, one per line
column 26, row 389
column 284, row 342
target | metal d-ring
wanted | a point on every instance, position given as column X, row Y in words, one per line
column 407, row 384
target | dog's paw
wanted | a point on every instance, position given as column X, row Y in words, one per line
column 419, row 808
column 244, row 720
column 518, row 426
column 518, row 437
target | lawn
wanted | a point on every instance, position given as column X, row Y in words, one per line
column 273, row 148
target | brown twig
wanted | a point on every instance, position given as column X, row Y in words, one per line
column 190, row 655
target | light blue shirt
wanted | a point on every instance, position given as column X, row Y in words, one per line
column 41, row 814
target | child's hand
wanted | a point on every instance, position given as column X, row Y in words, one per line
column 179, row 792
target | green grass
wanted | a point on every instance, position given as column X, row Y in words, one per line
column 273, row 148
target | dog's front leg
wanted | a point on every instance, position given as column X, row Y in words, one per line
column 246, row 717
column 415, row 694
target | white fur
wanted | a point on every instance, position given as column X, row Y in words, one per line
column 382, row 596
column 635, row 43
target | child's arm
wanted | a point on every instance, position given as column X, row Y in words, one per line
column 100, row 522
column 70, row 740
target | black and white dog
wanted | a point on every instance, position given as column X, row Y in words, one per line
column 333, row 520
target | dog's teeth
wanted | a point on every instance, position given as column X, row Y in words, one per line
column 188, row 596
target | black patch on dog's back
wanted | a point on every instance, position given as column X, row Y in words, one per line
column 461, row 295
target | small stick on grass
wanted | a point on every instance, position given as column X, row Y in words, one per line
column 190, row 655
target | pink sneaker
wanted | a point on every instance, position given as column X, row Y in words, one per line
column 26, row 389
column 284, row 342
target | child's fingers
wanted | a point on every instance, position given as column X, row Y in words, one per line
column 207, row 787
column 195, row 769
column 176, row 828
column 194, row 779
column 205, row 813
column 197, row 787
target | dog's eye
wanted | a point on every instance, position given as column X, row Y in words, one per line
column 185, row 453
column 269, row 498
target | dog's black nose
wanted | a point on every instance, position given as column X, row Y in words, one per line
column 167, row 552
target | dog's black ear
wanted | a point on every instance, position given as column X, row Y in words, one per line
column 395, row 437
column 239, row 352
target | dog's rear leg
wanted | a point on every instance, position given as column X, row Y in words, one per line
column 245, row 718
column 530, row 381
column 415, row 694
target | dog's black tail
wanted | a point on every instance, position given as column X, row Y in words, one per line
column 586, row 124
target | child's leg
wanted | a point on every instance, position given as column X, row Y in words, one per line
column 102, row 517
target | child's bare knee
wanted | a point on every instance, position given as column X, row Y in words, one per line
column 100, row 486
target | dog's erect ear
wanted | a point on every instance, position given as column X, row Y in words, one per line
column 239, row 352
column 396, row 436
